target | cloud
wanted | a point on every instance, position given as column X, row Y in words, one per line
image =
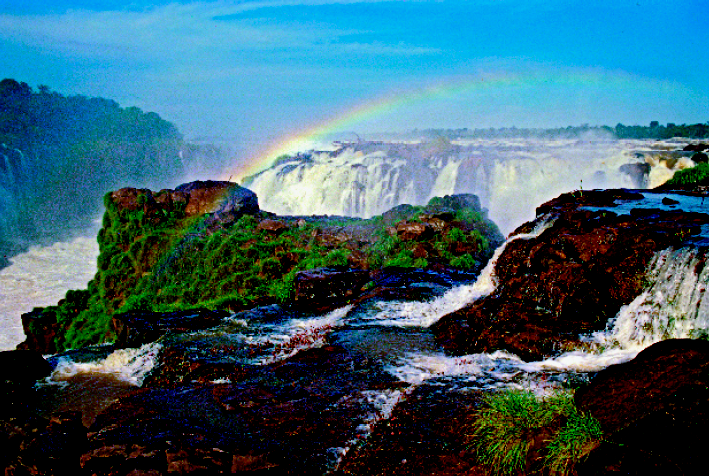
column 194, row 31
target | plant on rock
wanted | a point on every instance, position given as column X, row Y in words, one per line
column 502, row 432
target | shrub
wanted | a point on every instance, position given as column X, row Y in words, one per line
column 697, row 175
column 503, row 428
column 464, row 261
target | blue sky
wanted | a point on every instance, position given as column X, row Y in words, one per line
column 251, row 71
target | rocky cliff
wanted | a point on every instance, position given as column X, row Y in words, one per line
column 568, row 281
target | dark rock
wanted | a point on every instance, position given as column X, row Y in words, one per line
column 700, row 158
column 668, row 201
column 275, row 227
column 571, row 279
column 37, row 445
column 41, row 329
column 23, row 366
column 422, row 437
column 655, row 407
column 136, row 328
column 408, row 231
column 696, row 147
column 218, row 197
column 321, row 289
column 20, row 370
column 284, row 417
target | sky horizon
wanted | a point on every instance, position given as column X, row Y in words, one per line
column 254, row 72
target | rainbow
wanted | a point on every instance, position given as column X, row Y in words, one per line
column 389, row 103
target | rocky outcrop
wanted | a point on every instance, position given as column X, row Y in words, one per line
column 573, row 277
column 325, row 288
column 136, row 328
column 226, row 200
column 654, row 411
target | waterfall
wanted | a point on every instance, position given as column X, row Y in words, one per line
column 510, row 177
column 674, row 305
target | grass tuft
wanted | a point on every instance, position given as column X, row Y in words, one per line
column 503, row 429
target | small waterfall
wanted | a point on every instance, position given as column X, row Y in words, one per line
column 425, row 314
column 674, row 305
column 127, row 365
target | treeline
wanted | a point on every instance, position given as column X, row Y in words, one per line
column 60, row 154
column 654, row 131
column 95, row 135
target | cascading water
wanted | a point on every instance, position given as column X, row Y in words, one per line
column 673, row 306
column 510, row 177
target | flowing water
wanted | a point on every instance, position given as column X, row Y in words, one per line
column 395, row 334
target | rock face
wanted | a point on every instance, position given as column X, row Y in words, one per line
column 570, row 279
column 136, row 328
column 654, row 411
column 225, row 199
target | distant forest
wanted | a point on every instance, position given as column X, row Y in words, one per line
column 654, row 131
column 59, row 155
column 94, row 137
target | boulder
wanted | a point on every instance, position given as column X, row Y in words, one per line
column 275, row 227
column 322, row 289
column 41, row 330
column 570, row 279
column 653, row 409
column 700, row 158
column 136, row 328
column 415, row 231
column 224, row 198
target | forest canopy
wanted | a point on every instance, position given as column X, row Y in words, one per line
column 60, row 154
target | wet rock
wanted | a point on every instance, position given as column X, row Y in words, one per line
column 696, row 147
column 20, row 370
column 136, row 328
column 37, row 445
column 41, row 330
column 222, row 197
column 275, row 227
column 408, row 231
column 569, row 280
column 422, row 437
column 326, row 288
column 652, row 409
column 700, row 158
column 288, row 416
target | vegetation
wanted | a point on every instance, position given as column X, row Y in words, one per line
column 166, row 261
column 697, row 175
column 503, row 429
column 68, row 151
column 654, row 131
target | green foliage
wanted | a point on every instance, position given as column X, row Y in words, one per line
column 503, row 428
column 463, row 261
column 697, row 175
column 166, row 262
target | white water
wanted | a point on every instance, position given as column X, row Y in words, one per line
column 127, row 365
column 41, row 277
column 511, row 177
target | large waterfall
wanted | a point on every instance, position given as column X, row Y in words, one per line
column 511, row 177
